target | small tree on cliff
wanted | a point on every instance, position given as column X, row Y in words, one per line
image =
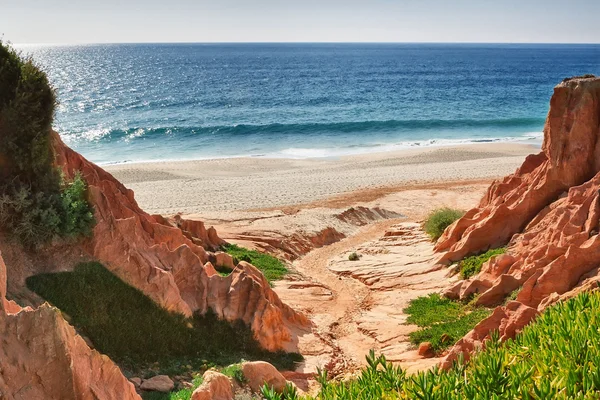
column 35, row 205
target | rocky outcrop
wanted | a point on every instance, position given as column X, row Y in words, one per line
column 165, row 259
column 547, row 213
column 215, row 386
column 158, row 383
column 41, row 357
column 260, row 373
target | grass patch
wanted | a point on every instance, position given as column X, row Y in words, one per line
column 129, row 327
column 271, row 267
column 438, row 220
column 182, row 394
column 555, row 357
column 472, row 265
column 442, row 321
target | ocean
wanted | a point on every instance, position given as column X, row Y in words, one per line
column 149, row 102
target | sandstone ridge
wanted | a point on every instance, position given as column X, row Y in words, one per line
column 170, row 260
column 547, row 213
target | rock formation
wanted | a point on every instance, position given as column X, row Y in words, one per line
column 41, row 357
column 166, row 259
column 547, row 213
column 215, row 386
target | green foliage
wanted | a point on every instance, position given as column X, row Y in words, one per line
column 437, row 222
column 555, row 357
column 78, row 215
column 445, row 334
column 35, row 204
column 182, row 394
column 353, row 257
column 37, row 217
column 26, row 112
column 130, row 328
column 428, row 310
column 472, row 265
column 271, row 267
column 442, row 321
column 234, row 371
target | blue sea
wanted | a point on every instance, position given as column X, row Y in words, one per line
column 149, row 102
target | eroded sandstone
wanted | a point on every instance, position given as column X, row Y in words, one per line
column 41, row 357
column 165, row 259
column 547, row 213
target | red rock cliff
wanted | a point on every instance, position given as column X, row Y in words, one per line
column 41, row 357
column 170, row 263
column 547, row 212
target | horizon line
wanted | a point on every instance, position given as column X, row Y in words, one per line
column 299, row 42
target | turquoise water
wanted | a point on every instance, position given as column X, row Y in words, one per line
column 141, row 102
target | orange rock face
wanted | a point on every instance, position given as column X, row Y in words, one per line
column 165, row 259
column 41, row 357
column 547, row 213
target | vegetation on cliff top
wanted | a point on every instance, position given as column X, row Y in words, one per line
column 555, row 357
column 438, row 220
column 134, row 331
column 271, row 267
column 36, row 203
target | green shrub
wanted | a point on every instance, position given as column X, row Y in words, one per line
column 78, row 214
column 437, row 222
column 353, row 257
column 130, row 328
column 234, row 371
column 272, row 268
column 442, row 321
column 555, row 357
column 37, row 217
column 35, row 204
column 472, row 265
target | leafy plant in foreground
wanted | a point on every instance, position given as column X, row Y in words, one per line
column 555, row 357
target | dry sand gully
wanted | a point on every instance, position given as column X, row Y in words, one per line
column 354, row 306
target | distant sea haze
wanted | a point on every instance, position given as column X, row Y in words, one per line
column 144, row 102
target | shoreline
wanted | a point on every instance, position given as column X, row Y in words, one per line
column 533, row 139
column 250, row 183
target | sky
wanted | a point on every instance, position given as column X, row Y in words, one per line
column 137, row 21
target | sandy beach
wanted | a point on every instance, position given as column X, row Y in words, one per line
column 223, row 185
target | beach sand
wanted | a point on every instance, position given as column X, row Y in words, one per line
column 223, row 185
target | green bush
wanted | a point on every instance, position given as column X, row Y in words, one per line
column 272, row 268
column 472, row 265
column 130, row 328
column 555, row 357
column 234, row 371
column 442, row 321
column 353, row 257
column 36, row 217
column 35, row 204
column 437, row 222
